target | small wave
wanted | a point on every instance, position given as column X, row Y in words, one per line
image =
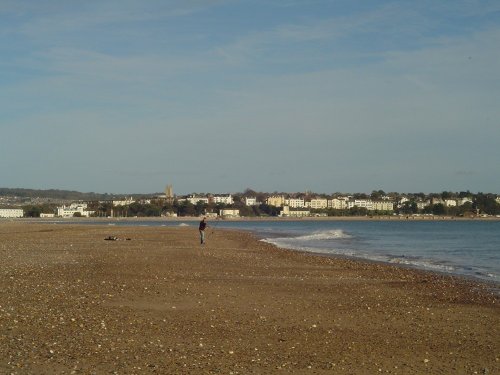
column 183, row 225
column 324, row 235
column 319, row 250
column 418, row 263
column 303, row 241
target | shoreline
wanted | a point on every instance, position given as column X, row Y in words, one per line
column 490, row 285
column 402, row 218
column 494, row 284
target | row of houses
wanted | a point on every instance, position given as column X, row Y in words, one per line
column 290, row 206
column 342, row 203
column 194, row 199
column 16, row 213
column 11, row 213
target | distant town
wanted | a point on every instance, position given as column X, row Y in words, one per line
column 19, row 203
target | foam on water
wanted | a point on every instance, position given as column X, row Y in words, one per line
column 324, row 235
column 421, row 263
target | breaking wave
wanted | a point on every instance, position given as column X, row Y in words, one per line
column 320, row 241
column 324, row 235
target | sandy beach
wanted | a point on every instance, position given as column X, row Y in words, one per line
column 155, row 301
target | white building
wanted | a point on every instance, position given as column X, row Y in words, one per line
column 276, row 200
column 450, row 203
column 422, row 204
column 42, row 215
column 338, row 203
column 225, row 199
column 75, row 205
column 437, row 201
column 70, row 211
column 229, row 213
column 11, row 212
column 124, row 202
column 462, row 201
column 403, row 200
column 382, row 206
column 318, row 203
column 365, row 203
column 286, row 212
column 250, row 201
column 295, row 202
column 194, row 199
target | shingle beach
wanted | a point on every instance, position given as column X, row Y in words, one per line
column 154, row 301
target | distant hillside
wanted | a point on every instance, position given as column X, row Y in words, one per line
column 59, row 194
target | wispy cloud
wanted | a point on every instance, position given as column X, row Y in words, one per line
column 364, row 35
column 54, row 16
column 104, row 66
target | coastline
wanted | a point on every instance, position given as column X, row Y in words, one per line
column 252, row 219
column 161, row 303
column 461, row 270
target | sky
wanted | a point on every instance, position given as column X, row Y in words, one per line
column 127, row 96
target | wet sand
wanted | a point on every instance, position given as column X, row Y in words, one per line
column 71, row 302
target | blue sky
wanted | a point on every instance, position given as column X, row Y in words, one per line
column 276, row 95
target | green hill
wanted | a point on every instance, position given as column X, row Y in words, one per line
column 60, row 194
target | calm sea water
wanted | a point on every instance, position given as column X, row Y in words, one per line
column 467, row 248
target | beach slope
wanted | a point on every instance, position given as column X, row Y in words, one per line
column 155, row 301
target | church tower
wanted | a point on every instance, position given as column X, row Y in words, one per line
column 169, row 193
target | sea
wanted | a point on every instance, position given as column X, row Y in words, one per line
column 460, row 247
column 465, row 248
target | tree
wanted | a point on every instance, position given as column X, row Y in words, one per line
column 269, row 210
column 360, row 196
column 377, row 194
column 186, row 209
column 103, row 208
column 465, row 209
column 487, row 204
column 32, row 211
column 238, row 198
column 446, row 195
column 140, row 210
column 200, row 208
column 249, row 193
column 409, row 208
column 438, row 209
column 358, row 211
column 420, row 196
column 464, row 194
column 246, row 210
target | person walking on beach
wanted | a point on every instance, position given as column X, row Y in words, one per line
column 201, row 228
